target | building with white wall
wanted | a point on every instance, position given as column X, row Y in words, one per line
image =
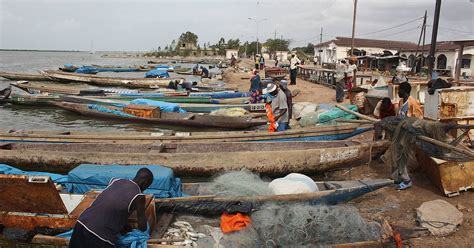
column 446, row 57
column 230, row 52
column 339, row 48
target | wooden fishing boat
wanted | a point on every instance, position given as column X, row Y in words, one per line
column 330, row 192
column 32, row 201
column 23, row 76
column 330, row 132
column 189, row 107
column 32, row 99
column 80, row 90
column 196, row 159
column 165, row 119
column 66, row 77
column 5, row 94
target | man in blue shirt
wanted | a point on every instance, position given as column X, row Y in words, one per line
column 204, row 72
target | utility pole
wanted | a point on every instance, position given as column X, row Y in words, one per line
column 319, row 48
column 434, row 36
column 353, row 26
column 424, row 39
column 422, row 34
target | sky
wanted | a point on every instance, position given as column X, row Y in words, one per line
column 144, row 25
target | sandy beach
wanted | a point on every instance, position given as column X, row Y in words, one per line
column 398, row 207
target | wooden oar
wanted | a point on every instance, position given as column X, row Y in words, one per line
column 420, row 137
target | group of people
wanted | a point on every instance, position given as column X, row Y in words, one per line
column 259, row 62
column 201, row 70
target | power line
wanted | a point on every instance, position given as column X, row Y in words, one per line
column 455, row 30
column 396, row 26
column 404, row 31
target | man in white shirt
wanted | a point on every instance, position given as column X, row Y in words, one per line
column 294, row 62
column 341, row 69
column 351, row 73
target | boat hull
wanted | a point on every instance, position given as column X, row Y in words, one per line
column 273, row 162
column 66, row 77
column 334, row 132
column 23, row 76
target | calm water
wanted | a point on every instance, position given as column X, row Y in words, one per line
column 50, row 118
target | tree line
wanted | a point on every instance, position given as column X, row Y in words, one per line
column 187, row 44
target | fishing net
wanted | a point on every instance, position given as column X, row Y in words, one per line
column 290, row 225
column 239, row 183
column 404, row 132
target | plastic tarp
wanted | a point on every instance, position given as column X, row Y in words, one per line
column 87, row 177
column 157, row 73
column 133, row 239
column 87, row 70
column 9, row 170
column 336, row 113
column 107, row 110
column 164, row 106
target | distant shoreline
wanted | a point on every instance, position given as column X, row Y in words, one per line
column 35, row 50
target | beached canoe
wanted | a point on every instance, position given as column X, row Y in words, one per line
column 5, row 94
column 23, row 76
column 66, row 77
column 189, row 107
column 32, row 99
column 329, row 132
column 50, row 87
column 330, row 192
column 196, row 159
column 166, row 119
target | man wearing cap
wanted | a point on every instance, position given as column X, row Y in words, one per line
column 279, row 104
column 289, row 97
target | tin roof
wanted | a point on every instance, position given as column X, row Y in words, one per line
column 384, row 44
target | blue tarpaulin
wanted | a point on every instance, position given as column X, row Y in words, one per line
column 157, row 73
column 87, row 177
column 9, row 170
column 107, row 110
column 164, row 106
column 133, row 239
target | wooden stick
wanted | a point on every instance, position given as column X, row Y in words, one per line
column 421, row 137
column 353, row 121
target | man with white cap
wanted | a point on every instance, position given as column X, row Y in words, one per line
column 279, row 104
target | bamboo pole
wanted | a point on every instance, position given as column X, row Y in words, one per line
column 420, row 137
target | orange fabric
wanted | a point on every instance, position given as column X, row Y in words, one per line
column 398, row 239
column 414, row 108
column 271, row 118
column 234, row 222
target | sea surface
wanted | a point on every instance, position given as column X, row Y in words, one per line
column 51, row 118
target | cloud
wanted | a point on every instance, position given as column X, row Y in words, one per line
column 145, row 24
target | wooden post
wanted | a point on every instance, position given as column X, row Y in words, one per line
column 353, row 26
column 459, row 63
column 434, row 36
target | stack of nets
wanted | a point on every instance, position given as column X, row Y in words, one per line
column 296, row 225
column 239, row 183
column 290, row 224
